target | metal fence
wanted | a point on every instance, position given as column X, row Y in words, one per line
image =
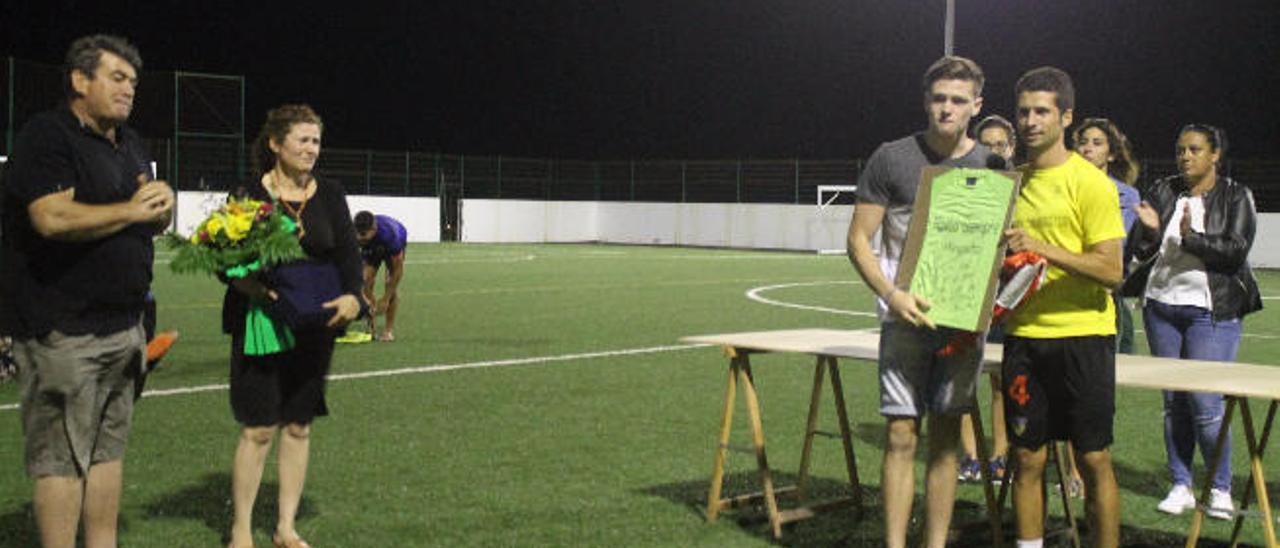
column 433, row 174
column 766, row 181
column 1261, row 175
column 198, row 120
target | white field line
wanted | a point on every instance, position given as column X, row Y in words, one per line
column 480, row 260
column 611, row 256
column 1246, row 335
column 586, row 287
column 739, row 256
column 755, row 295
column 529, row 289
column 435, row 368
column 474, row 260
column 166, row 258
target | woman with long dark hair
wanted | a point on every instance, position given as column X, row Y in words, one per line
column 1102, row 143
column 1196, row 229
column 283, row 392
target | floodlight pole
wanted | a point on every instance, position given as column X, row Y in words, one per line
column 949, row 30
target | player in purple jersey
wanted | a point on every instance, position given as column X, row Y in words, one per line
column 382, row 240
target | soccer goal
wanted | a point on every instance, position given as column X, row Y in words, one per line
column 835, row 209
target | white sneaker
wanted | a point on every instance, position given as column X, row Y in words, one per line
column 1220, row 505
column 1179, row 500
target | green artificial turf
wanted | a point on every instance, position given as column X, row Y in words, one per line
column 540, row 398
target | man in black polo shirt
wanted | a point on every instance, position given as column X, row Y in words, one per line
column 80, row 210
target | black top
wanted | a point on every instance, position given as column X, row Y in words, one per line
column 1230, row 222
column 328, row 236
column 78, row 288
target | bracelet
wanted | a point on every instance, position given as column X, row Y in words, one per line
column 889, row 293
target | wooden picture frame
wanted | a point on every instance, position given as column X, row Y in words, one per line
column 919, row 230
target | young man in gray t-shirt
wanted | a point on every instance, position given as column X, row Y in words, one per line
column 914, row 383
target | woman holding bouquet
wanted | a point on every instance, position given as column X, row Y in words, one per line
column 283, row 392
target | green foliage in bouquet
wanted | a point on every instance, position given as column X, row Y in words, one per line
column 239, row 233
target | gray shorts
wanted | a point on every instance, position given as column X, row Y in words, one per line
column 914, row 381
column 77, row 398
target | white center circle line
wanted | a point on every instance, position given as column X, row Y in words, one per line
column 755, row 295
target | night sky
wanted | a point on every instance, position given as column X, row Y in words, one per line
column 689, row 78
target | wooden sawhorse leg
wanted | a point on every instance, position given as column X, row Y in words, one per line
column 829, row 365
column 714, row 504
column 1056, row 455
column 994, row 517
column 1259, row 483
column 740, row 376
column 740, row 372
column 1249, row 487
column 1062, row 460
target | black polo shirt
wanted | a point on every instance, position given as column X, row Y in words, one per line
column 77, row 288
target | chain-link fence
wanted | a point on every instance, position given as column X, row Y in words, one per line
column 196, row 125
column 192, row 123
column 424, row 174
column 208, row 130
column 1261, row 175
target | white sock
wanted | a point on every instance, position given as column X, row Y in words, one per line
column 1033, row 543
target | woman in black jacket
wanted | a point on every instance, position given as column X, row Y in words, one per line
column 282, row 393
column 1194, row 234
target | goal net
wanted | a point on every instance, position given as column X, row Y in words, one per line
column 835, row 209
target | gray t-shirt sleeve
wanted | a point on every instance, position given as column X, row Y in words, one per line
column 874, row 181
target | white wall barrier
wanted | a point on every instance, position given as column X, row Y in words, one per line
column 759, row 226
column 1264, row 254
column 528, row 221
column 421, row 216
column 762, row 226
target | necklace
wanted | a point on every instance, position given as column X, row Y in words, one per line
column 296, row 213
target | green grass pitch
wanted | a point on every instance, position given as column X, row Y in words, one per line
column 537, row 396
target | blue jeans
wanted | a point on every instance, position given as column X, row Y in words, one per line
column 1191, row 418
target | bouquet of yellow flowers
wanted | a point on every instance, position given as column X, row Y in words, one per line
column 240, row 237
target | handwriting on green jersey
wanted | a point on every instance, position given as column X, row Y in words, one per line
column 968, row 209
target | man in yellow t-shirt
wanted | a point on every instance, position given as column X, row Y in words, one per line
column 1059, row 350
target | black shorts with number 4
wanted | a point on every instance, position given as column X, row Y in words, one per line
column 1060, row 389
